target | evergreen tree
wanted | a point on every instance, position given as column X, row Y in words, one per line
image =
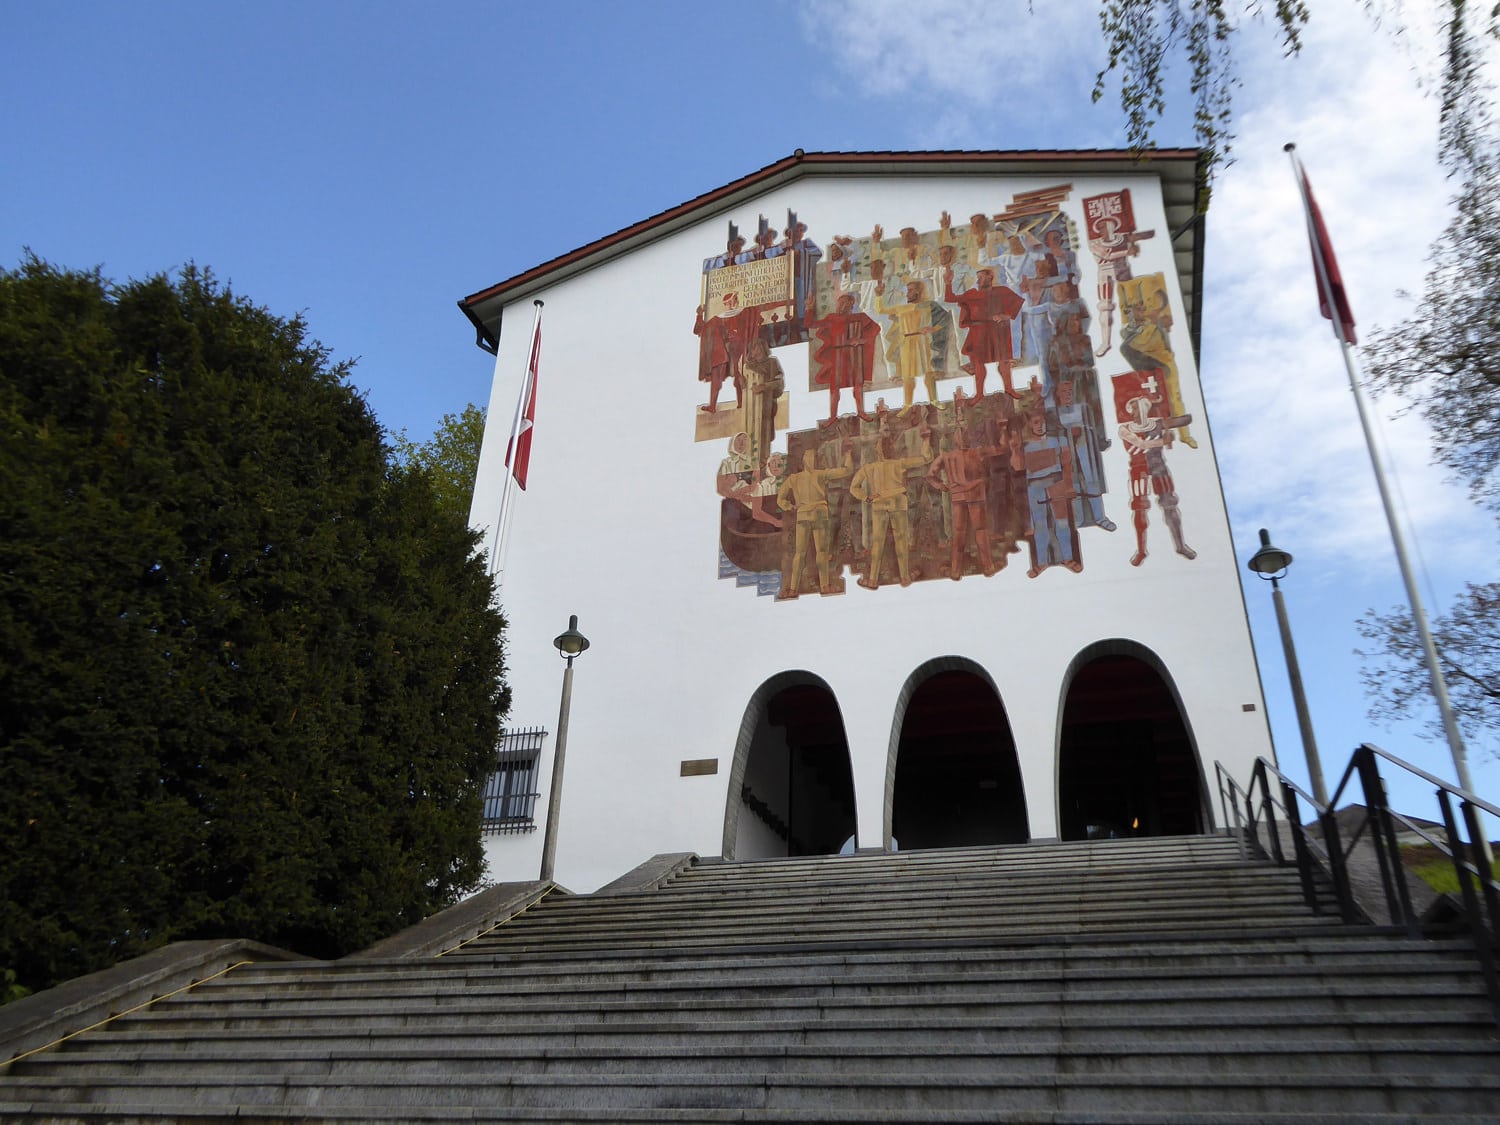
column 249, row 669
column 450, row 457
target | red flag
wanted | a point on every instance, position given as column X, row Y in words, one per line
column 520, row 443
column 1322, row 250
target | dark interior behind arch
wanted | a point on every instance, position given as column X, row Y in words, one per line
column 1126, row 760
column 957, row 780
column 792, row 788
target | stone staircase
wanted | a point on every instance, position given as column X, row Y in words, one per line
column 1163, row 980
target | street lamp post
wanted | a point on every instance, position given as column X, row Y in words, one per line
column 568, row 645
column 1271, row 563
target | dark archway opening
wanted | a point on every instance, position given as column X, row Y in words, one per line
column 798, row 790
column 958, row 783
column 1126, row 765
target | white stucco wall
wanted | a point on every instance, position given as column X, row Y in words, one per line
column 620, row 526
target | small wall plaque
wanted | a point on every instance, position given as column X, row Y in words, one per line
column 700, row 767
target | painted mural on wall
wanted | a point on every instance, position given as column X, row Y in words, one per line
column 905, row 480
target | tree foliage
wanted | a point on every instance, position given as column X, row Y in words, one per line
column 1468, row 645
column 1145, row 37
column 249, row 670
column 1444, row 358
column 450, row 457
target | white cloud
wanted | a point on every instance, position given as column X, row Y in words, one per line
column 988, row 70
column 1292, row 454
column 1291, row 448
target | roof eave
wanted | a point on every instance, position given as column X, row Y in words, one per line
column 484, row 308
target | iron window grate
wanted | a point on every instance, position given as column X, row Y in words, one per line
column 510, row 792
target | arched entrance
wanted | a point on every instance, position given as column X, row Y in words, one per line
column 791, row 788
column 956, row 781
column 1127, row 765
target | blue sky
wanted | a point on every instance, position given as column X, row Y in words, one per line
column 369, row 164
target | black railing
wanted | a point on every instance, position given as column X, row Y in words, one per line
column 1324, row 854
column 767, row 817
column 510, row 792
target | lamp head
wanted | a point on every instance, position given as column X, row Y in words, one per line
column 571, row 643
column 1269, row 562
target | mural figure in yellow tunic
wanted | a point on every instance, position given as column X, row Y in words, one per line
column 1145, row 344
column 916, row 340
column 807, row 491
column 883, row 483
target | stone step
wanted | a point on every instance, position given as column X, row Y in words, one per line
column 916, row 1092
column 1329, row 952
column 699, row 880
column 1230, row 888
column 682, row 892
column 1161, row 981
column 846, row 871
column 1264, row 904
column 1017, row 862
column 997, row 920
column 1161, row 1002
column 1078, row 983
column 78, row 1114
column 1287, row 948
column 1409, row 1026
column 933, row 980
column 1267, row 1056
column 1232, row 884
column 190, row 1115
column 601, row 941
column 949, row 907
column 1137, row 851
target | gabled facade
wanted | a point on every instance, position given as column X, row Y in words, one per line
column 882, row 486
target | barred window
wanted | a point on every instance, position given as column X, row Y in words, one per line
column 510, row 793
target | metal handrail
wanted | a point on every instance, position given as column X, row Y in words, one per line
column 1479, row 893
column 1311, row 858
column 1479, row 899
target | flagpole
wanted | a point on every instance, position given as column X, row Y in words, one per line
column 512, row 449
column 502, row 537
column 1418, row 612
column 497, row 534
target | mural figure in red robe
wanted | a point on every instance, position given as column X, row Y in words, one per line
column 963, row 474
column 844, row 354
column 985, row 312
column 723, row 343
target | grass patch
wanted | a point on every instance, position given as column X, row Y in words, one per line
column 1437, row 874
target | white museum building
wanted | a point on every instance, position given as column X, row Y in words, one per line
column 882, row 488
